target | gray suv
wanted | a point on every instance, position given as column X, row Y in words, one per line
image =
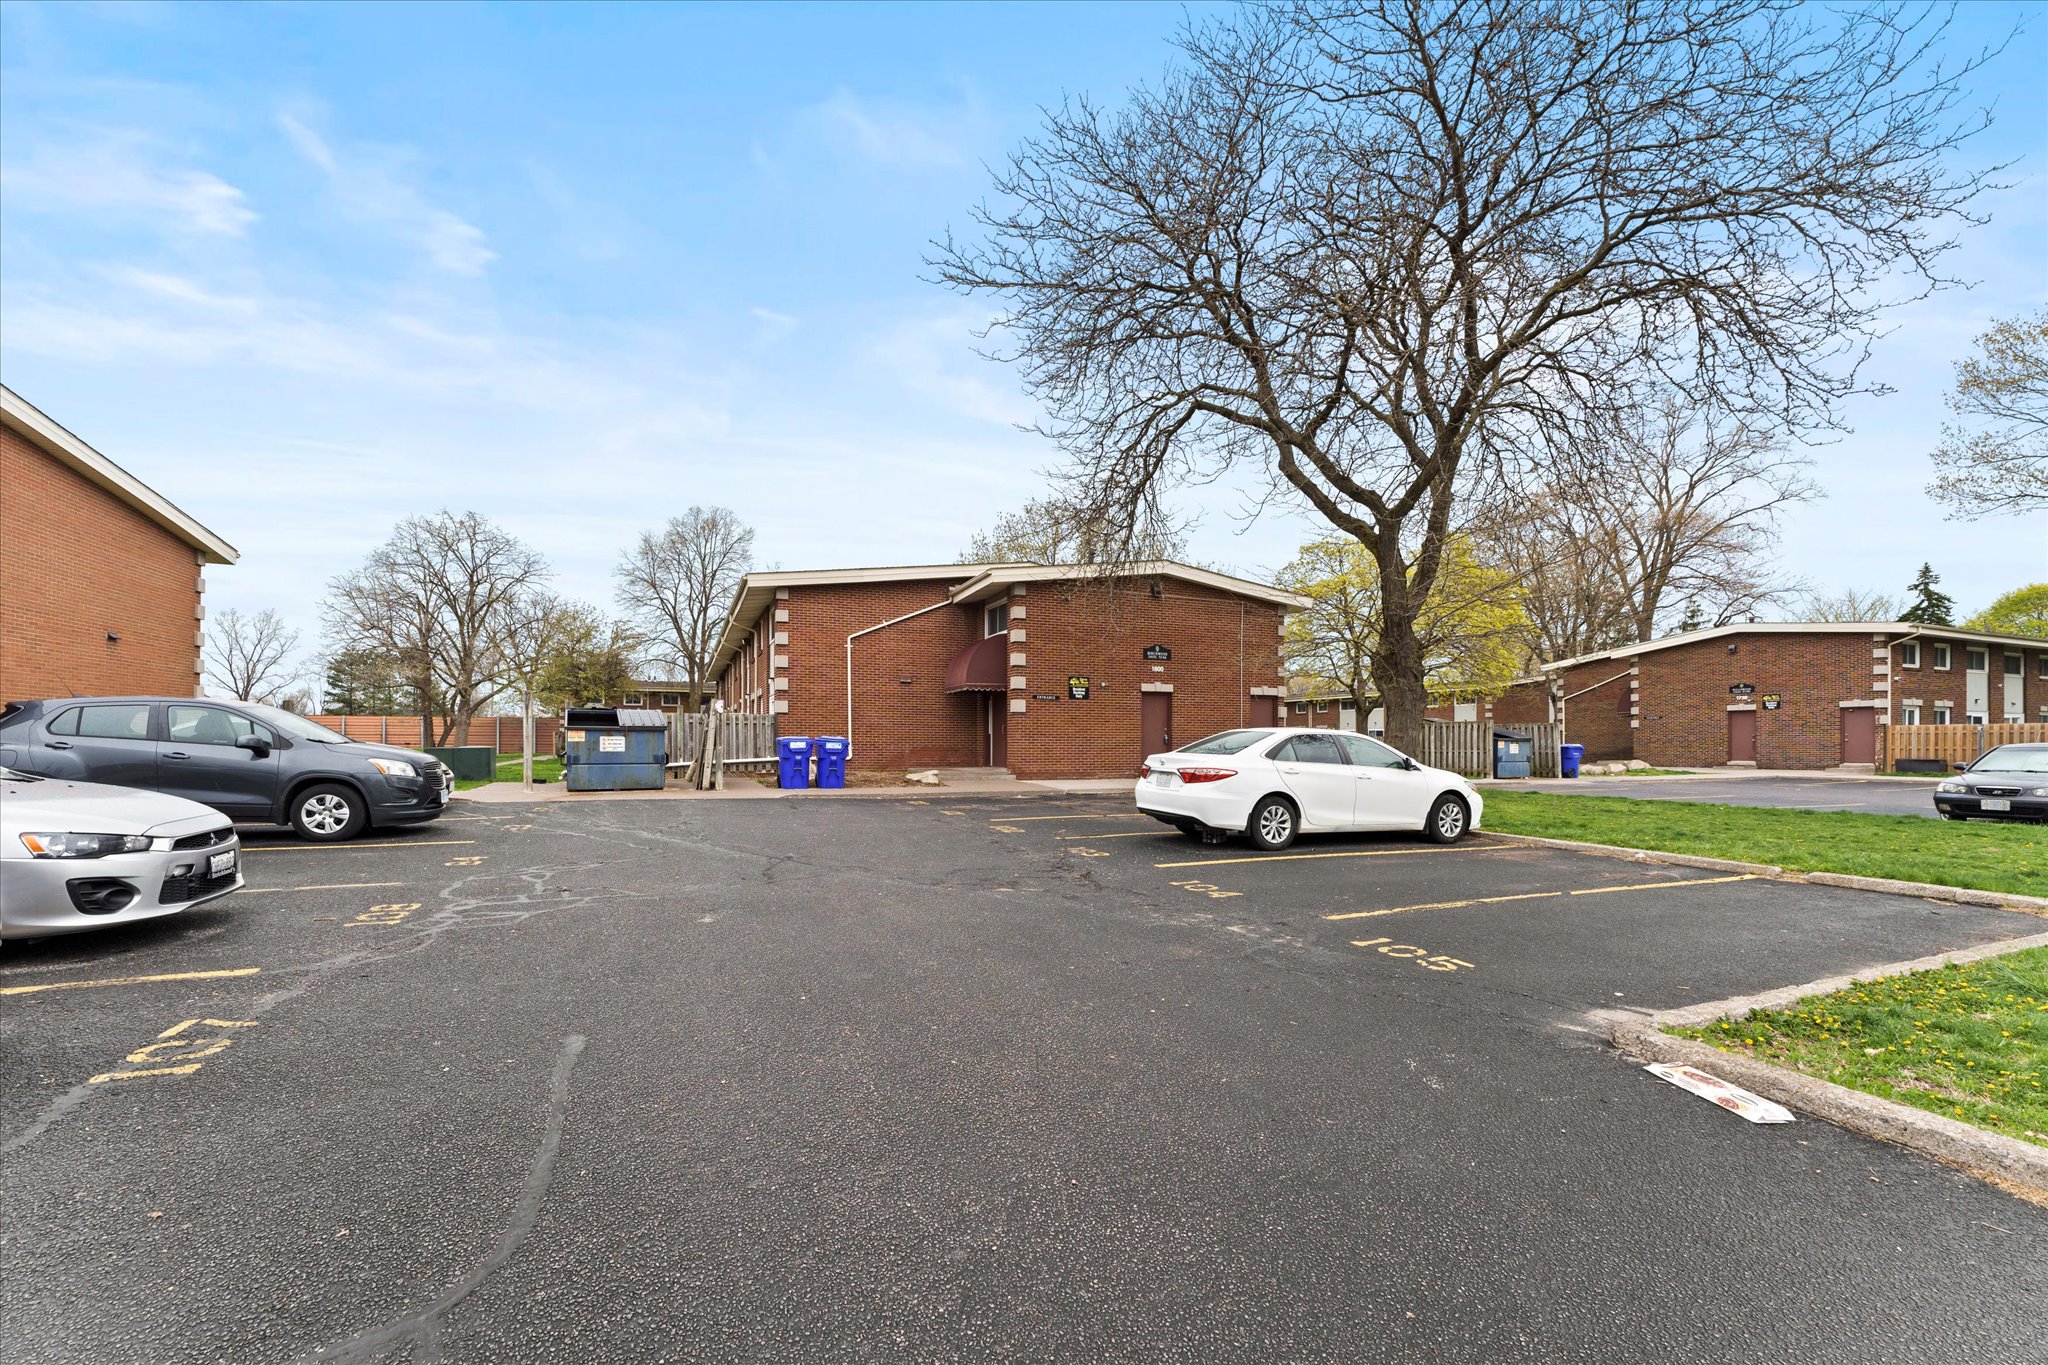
column 250, row 762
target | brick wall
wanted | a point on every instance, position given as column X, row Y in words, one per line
column 77, row 564
column 1933, row 687
column 1595, row 709
column 1684, row 697
column 1525, row 703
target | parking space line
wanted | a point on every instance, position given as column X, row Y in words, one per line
column 1659, row 886
column 1544, row 895
column 129, row 980
column 1133, row 834
column 329, row 886
column 1102, row 815
column 1348, row 853
column 347, row 847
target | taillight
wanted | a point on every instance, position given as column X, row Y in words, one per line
column 1206, row 774
column 1144, row 770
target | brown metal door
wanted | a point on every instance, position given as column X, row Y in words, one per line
column 1859, row 734
column 998, row 732
column 1155, row 724
column 1265, row 711
column 1742, row 736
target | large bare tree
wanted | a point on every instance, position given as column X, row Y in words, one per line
column 1365, row 248
column 676, row 584
column 1053, row 530
column 436, row 601
column 1994, row 460
column 248, row 655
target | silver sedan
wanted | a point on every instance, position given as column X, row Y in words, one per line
column 80, row 855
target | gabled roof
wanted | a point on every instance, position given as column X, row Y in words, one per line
column 1896, row 630
column 36, row 427
column 971, row 582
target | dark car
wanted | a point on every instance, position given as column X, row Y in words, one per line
column 250, row 762
column 2006, row 783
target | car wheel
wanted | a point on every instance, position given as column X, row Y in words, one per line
column 1448, row 820
column 1273, row 824
column 328, row 813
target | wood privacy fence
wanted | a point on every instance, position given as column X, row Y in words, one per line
column 498, row 733
column 746, row 739
column 1954, row 743
column 1466, row 746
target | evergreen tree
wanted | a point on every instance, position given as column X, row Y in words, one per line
column 1931, row 606
column 360, row 684
column 1694, row 619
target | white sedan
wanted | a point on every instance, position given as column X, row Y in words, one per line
column 1272, row 784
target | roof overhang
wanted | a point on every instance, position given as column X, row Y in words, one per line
column 997, row 579
column 1895, row 630
column 983, row 666
column 36, row 427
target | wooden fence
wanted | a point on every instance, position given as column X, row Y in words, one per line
column 1954, row 743
column 498, row 733
column 1466, row 746
column 746, row 738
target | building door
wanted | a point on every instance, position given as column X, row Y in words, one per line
column 1155, row 722
column 997, row 750
column 1859, row 734
column 1265, row 711
column 1742, row 736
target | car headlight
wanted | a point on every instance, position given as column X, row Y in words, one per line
column 2039, row 791
column 83, row 845
column 394, row 767
column 1950, row 788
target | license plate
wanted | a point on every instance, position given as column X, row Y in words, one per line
column 1162, row 779
column 1997, row 803
column 220, row 864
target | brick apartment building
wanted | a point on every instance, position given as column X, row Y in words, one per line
column 1526, row 701
column 1793, row 694
column 101, row 576
column 1044, row 670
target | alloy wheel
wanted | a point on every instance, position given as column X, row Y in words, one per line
column 1450, row 819
column 325, row 813
column 1276, row 822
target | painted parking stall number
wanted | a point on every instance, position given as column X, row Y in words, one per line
column 385, row 914
column 1209, row 889
column 1408, row 952
column 176, row 1051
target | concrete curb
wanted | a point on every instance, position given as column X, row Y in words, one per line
column 2021, row 1167
column 1964, row 895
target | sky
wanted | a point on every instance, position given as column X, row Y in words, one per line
column 310, row 269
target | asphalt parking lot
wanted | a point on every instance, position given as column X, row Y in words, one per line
column 1871, row 795
column 893, row 1079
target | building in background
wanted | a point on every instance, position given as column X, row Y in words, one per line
column 102, row 578
column 1048, row 671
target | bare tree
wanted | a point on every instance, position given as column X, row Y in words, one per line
column 435, row 601
column 1541, row 537
column 1851, row 605
column 676, row 584
column 249, row 656
column 1055, row 531
column 1996, row 460
column 1370, row 247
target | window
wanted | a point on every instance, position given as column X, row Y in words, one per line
column 1301, row 708
column 113, row 722
column 1976, row 660
column 629, row 699
column 2012, row 664
column 1974, row 718
column 2041, row 666
column 1309, row 749
column 1941, row 656
column 671, row 699
column 996, row 620
column 210, row 725
column 1367, row 753
column 1229, row 742
column 65, row 724
column 1909, row 654
column 1909, row 715
column 1941, row 715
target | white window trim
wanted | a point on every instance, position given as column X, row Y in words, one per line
column 1909, row 654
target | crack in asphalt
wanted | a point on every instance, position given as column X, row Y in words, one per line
column 423, row 1327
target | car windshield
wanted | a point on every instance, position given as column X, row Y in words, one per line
column 1229, row 742
column 298, row 727
column 2014, row 758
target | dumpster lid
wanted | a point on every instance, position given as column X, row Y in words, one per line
column 577, row 717
column 642, row 720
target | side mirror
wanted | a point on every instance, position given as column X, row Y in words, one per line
column 1411, row 765
column 255, row 744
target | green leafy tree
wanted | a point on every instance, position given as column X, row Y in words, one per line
column 2023, row 611
column 361, row 683
column 1930, row 606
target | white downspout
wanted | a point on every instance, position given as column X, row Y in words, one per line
column 869, row 631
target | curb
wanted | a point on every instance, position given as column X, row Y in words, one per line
column 1965, row 895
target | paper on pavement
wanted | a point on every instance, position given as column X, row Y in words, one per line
column 1733, row 1098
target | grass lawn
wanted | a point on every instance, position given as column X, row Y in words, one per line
column 548, row 768
column 1969, row 1042
column 1988, row 857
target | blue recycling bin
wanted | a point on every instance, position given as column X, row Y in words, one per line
column 793, row 761
column 1568, row 756
column 832, row 751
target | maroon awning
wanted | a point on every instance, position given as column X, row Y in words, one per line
column 983, row 667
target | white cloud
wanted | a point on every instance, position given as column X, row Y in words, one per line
column 371, row 188
column 896, row 135
column 118, row 173
column 935, row 358
column 773, row 326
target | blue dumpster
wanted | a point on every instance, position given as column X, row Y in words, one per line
column 832, row 751
column 607, row 749
column 1511, row 754
column 793, row 761
column 1568, row 756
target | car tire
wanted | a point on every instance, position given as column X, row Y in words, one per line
column 1448, row 821
column 327, row 813
column 1273, row 824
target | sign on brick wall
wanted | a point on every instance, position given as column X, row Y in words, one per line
column 1077, row 688
column 1158, row 653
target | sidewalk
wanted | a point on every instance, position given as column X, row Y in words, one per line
column 512, row 793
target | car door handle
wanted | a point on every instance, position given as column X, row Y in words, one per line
column 177, row 755
column 60, row 744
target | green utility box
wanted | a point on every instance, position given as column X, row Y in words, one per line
column 469, row 762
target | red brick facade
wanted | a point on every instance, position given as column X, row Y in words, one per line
column 1222, row 646
column 1671, row 706
column 78, row 566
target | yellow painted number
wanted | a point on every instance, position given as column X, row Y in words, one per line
column 1209, row 889
column 1408, row 952
column 173, row 1053
column 386, row 914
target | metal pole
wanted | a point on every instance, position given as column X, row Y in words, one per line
column 525, row 738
